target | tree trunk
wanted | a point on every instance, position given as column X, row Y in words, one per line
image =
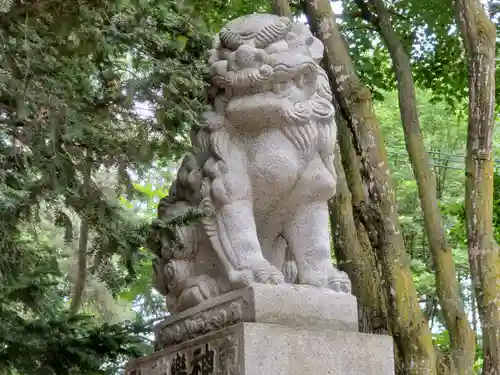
column 378, row 212
column 281, row 8
column 479, row 36
column 473, row 309
column 447, row 287
column 352, row 246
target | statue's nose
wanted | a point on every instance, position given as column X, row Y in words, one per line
column 247, row 56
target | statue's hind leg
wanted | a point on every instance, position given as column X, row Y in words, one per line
column 234, row 223
column 307, row 234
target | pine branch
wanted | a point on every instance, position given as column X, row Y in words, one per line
column 83, row 242
column 366, row 13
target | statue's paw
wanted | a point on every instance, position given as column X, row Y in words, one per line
column 190, row 297
column 339, row 282
column 241, row 278
column 265, row 273
column 197, row 289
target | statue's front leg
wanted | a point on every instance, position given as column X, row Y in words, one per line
column 307, row 234
column 231, row 191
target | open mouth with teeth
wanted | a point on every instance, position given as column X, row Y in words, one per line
column 280, row 80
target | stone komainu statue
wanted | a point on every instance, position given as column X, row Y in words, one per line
column 262, row 171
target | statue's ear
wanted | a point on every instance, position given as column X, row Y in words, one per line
column 316, row 48
column 314, row 45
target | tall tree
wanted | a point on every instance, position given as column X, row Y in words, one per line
column 380, row 17
column 479, row 36
column 447, row 286
column 353, row 249
column 282, row 8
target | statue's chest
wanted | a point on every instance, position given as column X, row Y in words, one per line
column 273, row 161
column 279, row 170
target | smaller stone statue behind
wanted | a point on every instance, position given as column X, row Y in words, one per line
column 261, row 175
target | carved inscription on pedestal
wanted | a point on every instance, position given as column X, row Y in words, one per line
column 216, row 357
column 228, row 356
column 220, row 316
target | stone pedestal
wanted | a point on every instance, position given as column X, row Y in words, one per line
column 268, row 330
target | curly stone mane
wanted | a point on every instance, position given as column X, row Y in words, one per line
column 263, row 160
column 256, row 56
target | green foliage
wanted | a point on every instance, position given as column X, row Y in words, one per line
column 444, row 130
column 39, row 336
column 139, row 291
column 442, row 340
column 65, row 344
column 431, row 38
column 371, row 60
column 216, row 13
column 68, row 99
column 444, row 133
column 113, row 87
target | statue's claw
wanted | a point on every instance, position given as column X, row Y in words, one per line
column 339, row 282
column 276, row 278
column 241, row 278
column 265, row 273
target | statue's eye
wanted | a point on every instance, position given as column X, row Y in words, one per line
column 308, row 78
column 308, row 74
column 281, row 86
column 281, row 76
column 299, row 81
column 291, row 36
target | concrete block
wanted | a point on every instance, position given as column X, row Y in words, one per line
column 271, row 349
column 287, row 305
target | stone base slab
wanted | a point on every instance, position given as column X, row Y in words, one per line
column 269, row 349
column 286, row 305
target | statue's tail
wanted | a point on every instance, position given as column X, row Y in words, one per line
column 289, row 268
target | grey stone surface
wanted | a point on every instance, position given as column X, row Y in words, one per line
column 261, row 173
column 286, row 305
column 278, row 350
column 268, row 349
